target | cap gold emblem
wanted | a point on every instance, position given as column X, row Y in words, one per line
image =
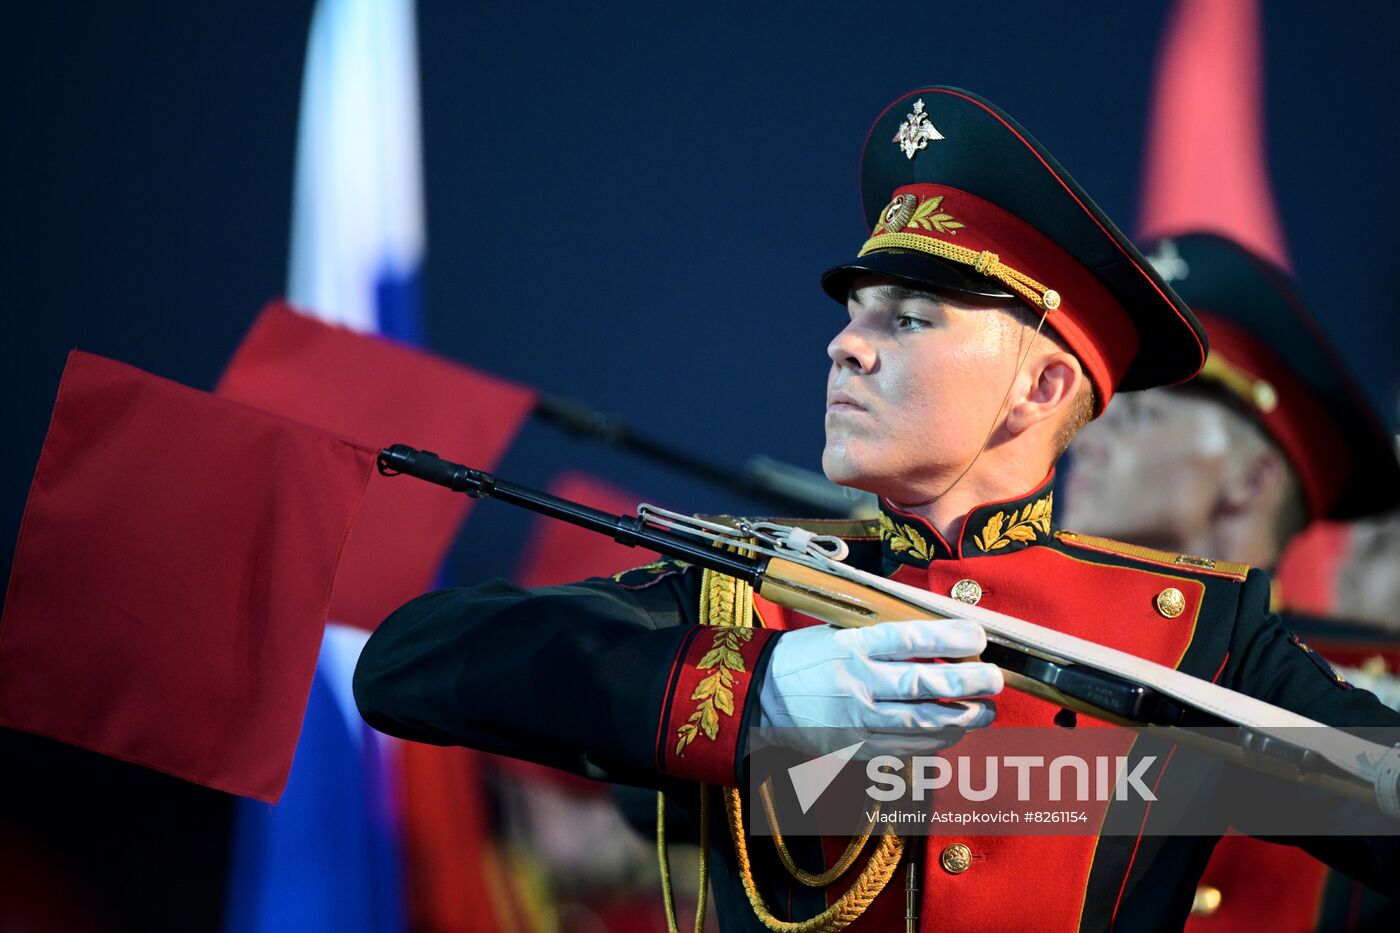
column 897, row 215
column 967, row 591
column 1171, row 603
column 916, row 131
column 956, row 859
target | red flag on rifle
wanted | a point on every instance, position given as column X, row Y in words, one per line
column 172, row 576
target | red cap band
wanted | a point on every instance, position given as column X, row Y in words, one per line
column 1283, row 406
column 1092, row 322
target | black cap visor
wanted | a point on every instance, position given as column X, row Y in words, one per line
column 915, row 268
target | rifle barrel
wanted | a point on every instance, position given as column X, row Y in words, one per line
column 625, row 529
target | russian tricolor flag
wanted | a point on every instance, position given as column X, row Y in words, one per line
column 357, row 216
column 327, row 857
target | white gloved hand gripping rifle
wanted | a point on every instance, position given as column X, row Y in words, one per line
column 879, row 684
column 806, row 572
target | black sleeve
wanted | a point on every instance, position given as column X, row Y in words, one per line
column 1272, row 663
column 578, row 677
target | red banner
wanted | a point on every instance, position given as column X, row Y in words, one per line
column 172, row 576
column 378, row 392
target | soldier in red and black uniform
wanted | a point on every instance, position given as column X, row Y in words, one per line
column 1271, row 436
column 992, row 311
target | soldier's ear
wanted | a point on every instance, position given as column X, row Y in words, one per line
column 1254, row 481
column 1053, row 381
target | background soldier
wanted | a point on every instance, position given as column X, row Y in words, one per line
column 1271, row 436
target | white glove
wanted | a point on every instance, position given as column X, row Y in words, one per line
column 866, row 683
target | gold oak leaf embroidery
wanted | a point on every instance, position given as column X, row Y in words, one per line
column 716, row 690
column 1021, row 525
column 929, row 217
column 903, row 538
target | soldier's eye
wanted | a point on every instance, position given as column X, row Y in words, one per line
column 909, row 322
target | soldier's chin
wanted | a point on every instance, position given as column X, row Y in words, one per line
column 846, row 467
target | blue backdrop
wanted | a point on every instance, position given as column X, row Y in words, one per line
column 626, row 204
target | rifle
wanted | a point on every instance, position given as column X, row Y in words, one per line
column 805, row 572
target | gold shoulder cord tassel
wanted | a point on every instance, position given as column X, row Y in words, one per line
column 663, row 856
column 808, row 878
column 726, row 601
column 871, row 881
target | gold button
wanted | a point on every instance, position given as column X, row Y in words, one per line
column 956, row 859
column 967, row 591
column 1171, row 603
column 1265, row 397
column 1206, row 902
column 1051, row 299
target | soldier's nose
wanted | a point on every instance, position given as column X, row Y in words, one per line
column 850, row 351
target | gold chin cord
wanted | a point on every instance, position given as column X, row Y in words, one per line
column 1020, row 364
column 984, row 262
column 727, row 601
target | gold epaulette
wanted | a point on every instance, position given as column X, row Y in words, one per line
column 1206, row 565
column 851, row 529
